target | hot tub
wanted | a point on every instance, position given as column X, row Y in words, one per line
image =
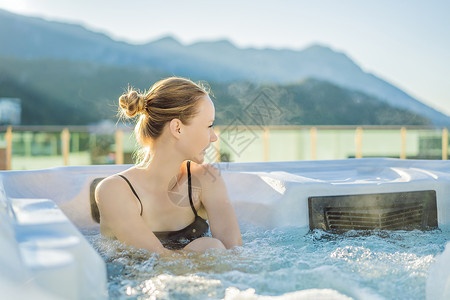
column 43, row 211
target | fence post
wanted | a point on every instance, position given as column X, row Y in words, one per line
column 403, row 143
column 119, row 147
column 358, row 142
column 266, row 143
column 8, row 138
column 65, row 140
column 313, row 138
column 444, row 143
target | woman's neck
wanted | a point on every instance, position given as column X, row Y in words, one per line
column 163, row 169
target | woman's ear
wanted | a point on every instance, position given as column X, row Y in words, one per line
column 175, row 127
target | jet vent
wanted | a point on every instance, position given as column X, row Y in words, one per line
column 386, row 211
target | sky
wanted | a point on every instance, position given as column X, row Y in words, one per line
column 405, row 42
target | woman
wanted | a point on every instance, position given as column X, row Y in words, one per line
column 158, row 205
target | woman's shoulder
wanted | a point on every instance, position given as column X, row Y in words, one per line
column 109, row 181
column 112, row 184
column 213, row 187
column 206, row 173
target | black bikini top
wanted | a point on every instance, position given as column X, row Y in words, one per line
column 180, row 238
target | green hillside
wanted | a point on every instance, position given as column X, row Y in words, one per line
column 63, row 92
column 78, row 93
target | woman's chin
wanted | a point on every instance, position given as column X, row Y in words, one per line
column 200, row 158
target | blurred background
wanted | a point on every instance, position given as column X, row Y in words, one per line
column 291, row 80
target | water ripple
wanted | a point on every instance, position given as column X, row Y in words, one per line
column 360, row 265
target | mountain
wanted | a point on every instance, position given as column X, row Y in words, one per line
column 56, row 92
column 303, row 103
column 219, row 61
column 62, row 92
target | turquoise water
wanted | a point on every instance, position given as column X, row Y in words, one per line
column 379, row 265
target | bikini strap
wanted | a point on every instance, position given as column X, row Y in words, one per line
column 190, row 187
column 134, row 192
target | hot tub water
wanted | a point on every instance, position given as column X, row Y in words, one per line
column 42, row 211
column 360, row 265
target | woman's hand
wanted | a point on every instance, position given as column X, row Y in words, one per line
column 204, row 243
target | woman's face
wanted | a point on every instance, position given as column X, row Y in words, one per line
column 199, row 134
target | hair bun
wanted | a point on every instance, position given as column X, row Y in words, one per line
column 132, row 103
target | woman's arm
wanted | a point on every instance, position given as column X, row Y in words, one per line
column 221, row 215
column 121, row 216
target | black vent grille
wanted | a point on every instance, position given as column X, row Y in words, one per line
column 386, row 211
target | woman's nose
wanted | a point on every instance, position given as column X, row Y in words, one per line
column 213, row 136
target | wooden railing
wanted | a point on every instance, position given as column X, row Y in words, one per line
column 6, row 151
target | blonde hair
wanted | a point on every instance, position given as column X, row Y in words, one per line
column 170, row 98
